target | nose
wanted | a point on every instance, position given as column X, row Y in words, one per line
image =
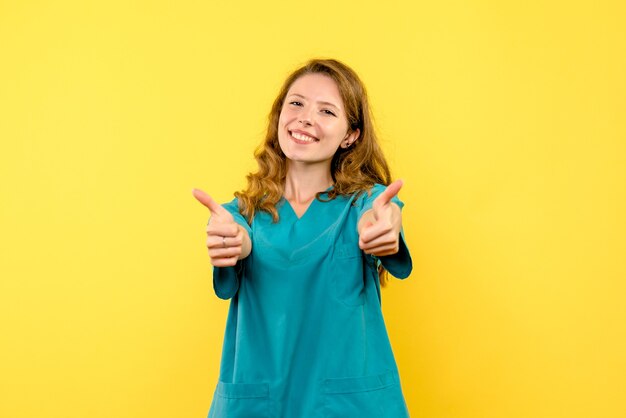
column 305, row 117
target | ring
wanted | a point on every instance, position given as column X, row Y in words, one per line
column 224, row 242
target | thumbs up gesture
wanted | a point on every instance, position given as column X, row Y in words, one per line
column 227, row 241
column 379, row 227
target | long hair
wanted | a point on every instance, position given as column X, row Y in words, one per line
column 354, row 169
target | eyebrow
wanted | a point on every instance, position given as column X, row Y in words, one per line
column 324, row 103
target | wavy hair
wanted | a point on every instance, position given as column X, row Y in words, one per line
column 354, row 170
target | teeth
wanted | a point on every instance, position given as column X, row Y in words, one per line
column 302, row 137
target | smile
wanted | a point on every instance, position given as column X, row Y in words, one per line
column 301, row 138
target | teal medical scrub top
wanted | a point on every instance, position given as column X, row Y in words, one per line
column 305, row 336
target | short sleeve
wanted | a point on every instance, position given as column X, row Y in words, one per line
column 400, row 264
column 226, row 279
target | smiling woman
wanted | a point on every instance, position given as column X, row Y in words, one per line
column 311, row 126
column 300, row 252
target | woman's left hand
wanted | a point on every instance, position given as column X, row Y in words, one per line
column 379, row 227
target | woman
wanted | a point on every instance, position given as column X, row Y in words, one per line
column 302, row 252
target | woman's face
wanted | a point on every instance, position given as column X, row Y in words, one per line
column 313, row 122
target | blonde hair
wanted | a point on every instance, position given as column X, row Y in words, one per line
column 354, row 170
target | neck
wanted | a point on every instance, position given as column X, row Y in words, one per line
column 304, row 181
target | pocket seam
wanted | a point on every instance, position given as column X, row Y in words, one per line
column 347, row 251
column 338, row 386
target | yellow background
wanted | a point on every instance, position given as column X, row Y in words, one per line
column 505, row 119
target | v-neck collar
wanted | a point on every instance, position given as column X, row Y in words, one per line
column 308, row 208
column 293, row 211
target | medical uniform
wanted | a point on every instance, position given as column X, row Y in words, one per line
column 305, row 336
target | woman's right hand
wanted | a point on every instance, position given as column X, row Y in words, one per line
column 227, row 241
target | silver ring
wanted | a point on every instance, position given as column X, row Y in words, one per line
column 224, row 242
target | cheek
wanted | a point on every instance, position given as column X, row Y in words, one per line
column 284, row 111
column 288, row 113
column 282, row 119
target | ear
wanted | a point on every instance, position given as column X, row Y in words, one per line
column 351, row 138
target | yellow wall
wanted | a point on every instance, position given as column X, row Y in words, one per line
column 505, row 119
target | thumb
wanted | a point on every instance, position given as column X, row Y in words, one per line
column 389, row 193
column 206, row 200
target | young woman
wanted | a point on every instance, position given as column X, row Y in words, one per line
column 302, row 252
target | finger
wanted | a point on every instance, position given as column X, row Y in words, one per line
column 225, row 230
column 208, row 201
column 380, row 241
column 374, row 231
column 383, row 241
column 382, row 251
column 216, row 253
column 220, row 241
column 224, row 262
column 389, row 193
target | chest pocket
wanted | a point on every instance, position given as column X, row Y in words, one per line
column 346, row 270
column 240, row 400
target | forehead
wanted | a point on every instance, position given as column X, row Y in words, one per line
column 317, row 87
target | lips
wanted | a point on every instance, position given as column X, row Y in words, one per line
column 301, row 137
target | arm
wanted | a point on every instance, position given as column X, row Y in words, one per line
column 379, row 227
column 381, row 235
column 228, row 242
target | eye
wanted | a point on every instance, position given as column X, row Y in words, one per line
column 295, row 103
column 328, row 112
